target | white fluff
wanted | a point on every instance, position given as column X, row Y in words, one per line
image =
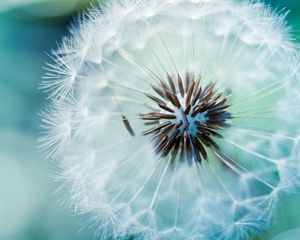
column 117, row 180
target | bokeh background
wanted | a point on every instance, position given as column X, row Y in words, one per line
column 29, row 207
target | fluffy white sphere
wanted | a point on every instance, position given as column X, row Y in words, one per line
column 123, row 179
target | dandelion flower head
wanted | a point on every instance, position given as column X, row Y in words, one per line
column 175, row 119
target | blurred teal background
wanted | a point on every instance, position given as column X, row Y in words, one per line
column 29, row 209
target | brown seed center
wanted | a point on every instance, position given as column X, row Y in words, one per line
column 188, row 118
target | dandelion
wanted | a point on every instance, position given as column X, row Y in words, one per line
column 175, row 119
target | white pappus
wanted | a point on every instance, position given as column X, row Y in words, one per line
column 175, row 119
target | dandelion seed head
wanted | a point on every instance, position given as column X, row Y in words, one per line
column 175, row 119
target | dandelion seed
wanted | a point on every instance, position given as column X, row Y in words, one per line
column 175, row 119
